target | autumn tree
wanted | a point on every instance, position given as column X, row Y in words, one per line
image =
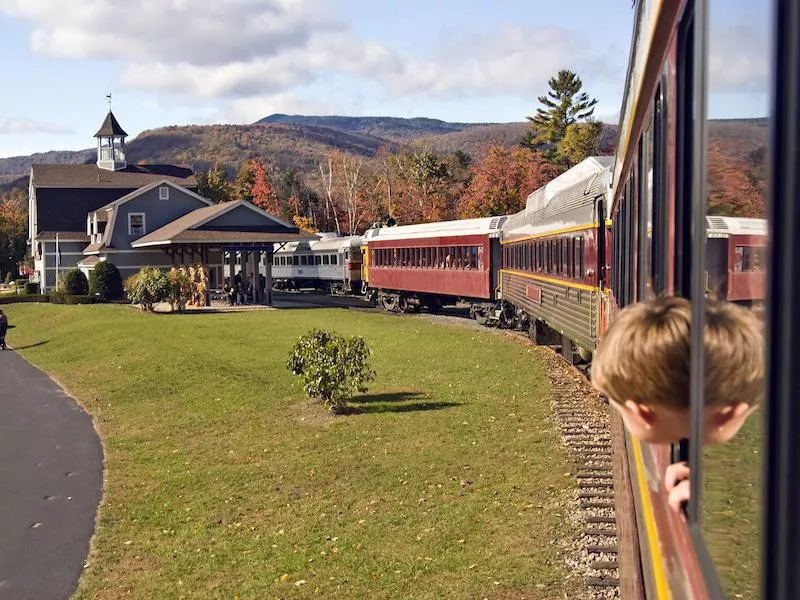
column 243, row 186
column 580, row 141
column 502, row 181
column 423, row 187
column 13, row 231
column 263, row 192
column 563, row 105
column 733, row 189
column 213, row 184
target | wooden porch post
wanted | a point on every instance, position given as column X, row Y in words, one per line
column 254, row 270
column 268, row 261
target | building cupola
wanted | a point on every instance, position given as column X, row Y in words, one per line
column 111, row 144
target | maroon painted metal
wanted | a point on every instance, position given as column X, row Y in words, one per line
column 446, row 278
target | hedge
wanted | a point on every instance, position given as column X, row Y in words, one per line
column 23, row 298
column 62, row 298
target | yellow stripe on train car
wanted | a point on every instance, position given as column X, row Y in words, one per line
column 656, row 556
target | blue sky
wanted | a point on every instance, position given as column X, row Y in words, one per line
column 175, row 62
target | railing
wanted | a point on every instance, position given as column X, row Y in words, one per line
column 116, row 154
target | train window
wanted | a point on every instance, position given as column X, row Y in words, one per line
column 318, row 259
column 581, row 267
column 748, row 258
column 326, row 259
column 480, row 258
column 563, row 245
column 295, row 260
column 334, row 259
column 304, row 260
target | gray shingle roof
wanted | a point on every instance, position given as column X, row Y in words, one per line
column 92, row 176
column 110, row 127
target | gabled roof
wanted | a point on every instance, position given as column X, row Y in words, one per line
column 92, row 176
column 110, row 127
column 144, row 189
column 187, row 228
column 112, row 208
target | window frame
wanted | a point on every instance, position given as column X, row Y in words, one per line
column 144, row 223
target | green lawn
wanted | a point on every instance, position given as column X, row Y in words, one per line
column 223, row 481
column 732, row 510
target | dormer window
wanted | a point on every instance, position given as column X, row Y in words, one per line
column 163, row 193
column 136, row 224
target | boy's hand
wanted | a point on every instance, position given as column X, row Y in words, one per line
column 676, row 481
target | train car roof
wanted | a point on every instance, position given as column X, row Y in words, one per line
column 566, row 202
column 484, row 225
column 569, row 179
column 721, row 227
column 330, row 243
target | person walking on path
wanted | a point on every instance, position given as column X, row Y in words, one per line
column 3, row 329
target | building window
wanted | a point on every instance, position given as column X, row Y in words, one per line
column 163, row 193
column 136, row 225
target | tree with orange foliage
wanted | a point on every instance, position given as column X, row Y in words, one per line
column 733, row 190
column 502, row 181
column 263, row 193
column 13, row 231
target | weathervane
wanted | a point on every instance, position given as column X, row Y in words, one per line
column 108, row 99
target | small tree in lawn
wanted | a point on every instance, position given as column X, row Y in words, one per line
column 180, row 289
column 147, row 287
column 105, row 281
column 74, row 283
column 332, row 367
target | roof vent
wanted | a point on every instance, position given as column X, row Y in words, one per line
column 717, row 223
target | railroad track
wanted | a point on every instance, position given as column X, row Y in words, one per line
column 586, row 431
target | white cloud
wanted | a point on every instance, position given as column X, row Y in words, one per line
column 25, row 125
column 247, row 52
column 738, row 59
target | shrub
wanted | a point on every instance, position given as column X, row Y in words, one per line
column 8, row 278
column 31, row 287
column 23, row 298
column 64, row 298
column 180, row 289
column 73, row 283
column 147, row 287
column 105, row 281
column 331, row 367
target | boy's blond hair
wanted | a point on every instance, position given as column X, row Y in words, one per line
column 645, row 355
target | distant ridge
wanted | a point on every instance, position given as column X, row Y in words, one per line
column 393, row 128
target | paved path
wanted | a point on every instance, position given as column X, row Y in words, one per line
column 51, row 466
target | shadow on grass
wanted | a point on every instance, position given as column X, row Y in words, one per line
column 389, row 402
column 401, row 408
column 42, row 343
column 387, row 397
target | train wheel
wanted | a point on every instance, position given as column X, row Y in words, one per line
column 389, row 302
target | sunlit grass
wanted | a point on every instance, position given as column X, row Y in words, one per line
column 223, row 481
column 732, row 510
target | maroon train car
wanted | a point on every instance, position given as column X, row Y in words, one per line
column 433, row 264
column 735, row 258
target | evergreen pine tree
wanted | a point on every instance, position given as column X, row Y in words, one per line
column 563, row 105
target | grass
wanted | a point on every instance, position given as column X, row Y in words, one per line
column 732, row 510
column 223, row 481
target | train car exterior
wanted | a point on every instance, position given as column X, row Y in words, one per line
column 434, row 264
column 657, row 195
column 553, row 252
column 735, row 259
column 331, row 264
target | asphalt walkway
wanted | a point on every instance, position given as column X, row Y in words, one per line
column 51, row 478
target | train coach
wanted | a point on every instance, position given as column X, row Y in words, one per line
column 331, row 264
column 434, row 264
column 554, row 258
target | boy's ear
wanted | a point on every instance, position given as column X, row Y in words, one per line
column 642, row 412
column 729, row 412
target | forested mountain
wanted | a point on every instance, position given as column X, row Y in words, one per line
column 301, row 142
